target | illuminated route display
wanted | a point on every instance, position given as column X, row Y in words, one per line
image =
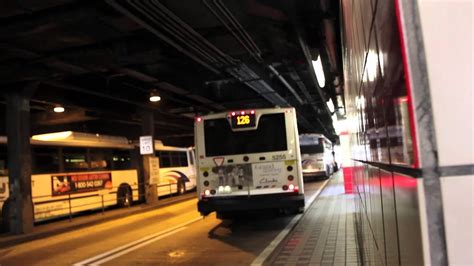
column 243, row 120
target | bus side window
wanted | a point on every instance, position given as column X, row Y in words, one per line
column 174, row 159
column 121, row 160
column 75, row 159
column 165, row 159
column 3, row 161
column 45, row 160
column 191, row 157
column 183, row 159
column 100, row 159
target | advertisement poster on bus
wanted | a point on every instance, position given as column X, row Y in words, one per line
column 78, row 183
column 268, row 175
column 238, row 175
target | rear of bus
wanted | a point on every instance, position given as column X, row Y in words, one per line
column 248, row 160
column 316, row 156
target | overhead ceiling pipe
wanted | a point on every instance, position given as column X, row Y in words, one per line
column 147, row 26
column 158, row 18
column 238, row 70
column 246, row 41
column 239, row 26
column 230, row 30
column 287, row 85
column 169, row 26
column 182, row 28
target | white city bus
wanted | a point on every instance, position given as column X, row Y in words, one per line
column 176, row 174
column 317, row 156
column 73, row 172
column 248, row 159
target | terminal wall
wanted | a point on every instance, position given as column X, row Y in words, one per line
column 448, row 40
column 386, row 179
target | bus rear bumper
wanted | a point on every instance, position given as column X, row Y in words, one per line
column 314, row 174
column 245, row 203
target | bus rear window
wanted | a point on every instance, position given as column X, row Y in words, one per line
column 270, row 136
column 311, row 149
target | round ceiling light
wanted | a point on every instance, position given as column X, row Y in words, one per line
column 58, row 109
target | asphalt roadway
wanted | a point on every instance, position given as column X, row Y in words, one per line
column 175, row 234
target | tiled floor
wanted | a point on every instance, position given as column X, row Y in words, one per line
column 326, row 233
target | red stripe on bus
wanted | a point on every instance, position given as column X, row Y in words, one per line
column 411, row 111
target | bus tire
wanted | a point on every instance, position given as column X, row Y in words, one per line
column 225, row 215
column 124, row 196
column 181, row 187
column 300, row 210
column 328, row 173
column 5, row 226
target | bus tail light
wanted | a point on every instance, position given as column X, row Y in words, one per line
column 285, row 187
column 291, row 177
column 213, row 192
column 291, row 187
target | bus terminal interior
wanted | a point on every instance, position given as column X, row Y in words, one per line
column 108, row 110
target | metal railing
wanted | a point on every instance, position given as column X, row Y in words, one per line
column 68, row 208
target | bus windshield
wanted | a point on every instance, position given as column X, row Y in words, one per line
column 221, row 140
column 312, row 149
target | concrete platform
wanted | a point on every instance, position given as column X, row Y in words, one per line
column 325, row 235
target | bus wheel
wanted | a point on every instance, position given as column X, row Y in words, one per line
column 300, row 210
column 181, row 187
column 225, row 215
column 124, row 196
column 328, row 172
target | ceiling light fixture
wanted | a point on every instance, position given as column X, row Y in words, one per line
column 154, row 97
column 318, row 69
column 58, row 109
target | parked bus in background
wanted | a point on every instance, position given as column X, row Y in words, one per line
column 74, row 172
column 177, row 169
column 247, row 160
column 317, row 156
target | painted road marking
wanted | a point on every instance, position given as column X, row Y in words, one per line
column 122, row 250
column 277, row 240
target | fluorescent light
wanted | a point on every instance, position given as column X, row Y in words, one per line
column 371, row 66
column 155, row 98
column 53, row 136
column 58, row 109
column 318, row 69
column 330, row 106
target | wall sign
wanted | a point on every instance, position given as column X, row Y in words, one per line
column 146, row 145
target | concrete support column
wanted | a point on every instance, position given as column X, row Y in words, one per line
column 19, row 205
column 148, row 129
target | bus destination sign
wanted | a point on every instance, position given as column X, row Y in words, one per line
column 243, row 119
